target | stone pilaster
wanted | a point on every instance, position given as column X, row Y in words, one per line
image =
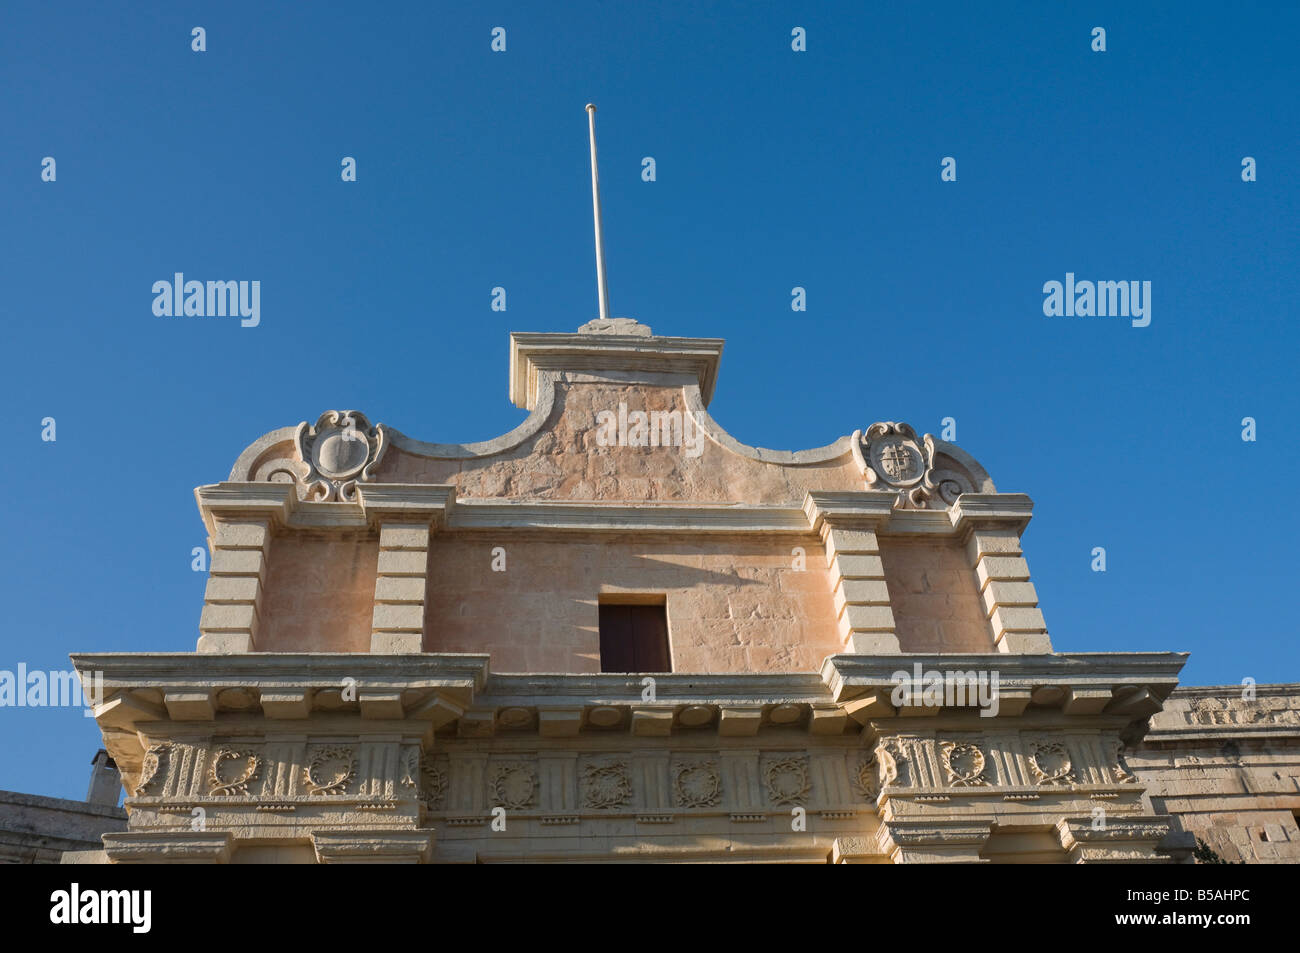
column 405, row 517
column 398, row 622
column 232, row 603
column 848, row 525
column 993, row 524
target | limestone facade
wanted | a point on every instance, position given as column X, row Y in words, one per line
column 399, row 653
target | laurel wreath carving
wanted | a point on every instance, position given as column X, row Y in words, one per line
column 513, row 785
column 1050, row 764
column 786, row 780
column 331, row 770
column 220, row 784
column 606, row 785
column 697, row 783
column 866, row 778
column 964, row 764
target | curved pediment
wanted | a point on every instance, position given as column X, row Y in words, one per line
column 615, row 414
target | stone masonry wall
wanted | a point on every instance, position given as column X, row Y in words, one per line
column 1229, row 768
column 734, row 604
column 932, row 589
column 319, row 594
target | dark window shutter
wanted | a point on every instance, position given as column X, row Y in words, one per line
column 634, row 638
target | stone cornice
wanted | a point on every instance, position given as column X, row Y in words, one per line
column 279, row 503
column 1213, row 714
column 531, row 353
column 438, row 505
column 274, row 671
column 852, row 675
column 192, row 687
column 849, row 508
column 1011, row 510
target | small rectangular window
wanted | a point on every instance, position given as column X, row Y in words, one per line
column 634, row 638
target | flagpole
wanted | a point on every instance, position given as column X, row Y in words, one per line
column 602, row 287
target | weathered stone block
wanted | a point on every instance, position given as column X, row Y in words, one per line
column 225, row 643
column 1006, row 568
column 998, row 593
column 242, row 534
column 1012, row 619
column 228, row 618
column 402, row 563
column 859, row 566
column 992, row 543
column 866, row 592
column 872, row 643
column 868, row 618
column 238, row 562
column 396, row 643
column 398, row 618
column 233, row 589
column 411, row 536
column 1025, row 643
column 849, row 541
column 400, row 589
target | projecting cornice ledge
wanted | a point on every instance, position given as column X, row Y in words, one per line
column 136, row 688
column 532, row 354
column 1129, row 685
column 279, row 504
column 438, row 505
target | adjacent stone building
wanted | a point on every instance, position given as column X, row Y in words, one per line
column 616, row 633
column 48, row 830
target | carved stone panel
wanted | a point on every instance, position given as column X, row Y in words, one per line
column 231, row 772
column 696, row 783
column 340, row 451
column 433, row 783
column 153, row 770
column 786, row 779
column 893, row 457
column 1050, row 763
column 866, row 777
column 606, row 783
column 330, row 769
column 963, row 765
column 513, row 785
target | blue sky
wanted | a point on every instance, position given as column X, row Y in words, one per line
column 819, row 169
